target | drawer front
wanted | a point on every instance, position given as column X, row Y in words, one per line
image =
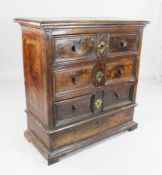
column 91, row 105
column 72, row 109
column 80, row 78
column 73, row 79
column 88, row 129
column 120, row 43
column 75, row 47
column 118, row 97
column 119, row 70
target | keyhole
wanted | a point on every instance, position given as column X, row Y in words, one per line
column 102, row 45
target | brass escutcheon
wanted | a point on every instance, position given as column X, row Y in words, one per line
column 99, row 75
column 102, row 46
column 98, row 103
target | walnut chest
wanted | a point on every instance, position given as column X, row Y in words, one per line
column 80, row 79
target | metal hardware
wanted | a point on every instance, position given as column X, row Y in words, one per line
column 99, row 76
column 123, row 43
column 121, row 70
column 102, row 47
column 98, row 103
column 117, row 95
column 73, row 108
column 76, row 45
column 74, row 79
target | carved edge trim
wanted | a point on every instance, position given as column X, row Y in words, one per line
column 72, row 147
column 78, row 23
column 53, row 157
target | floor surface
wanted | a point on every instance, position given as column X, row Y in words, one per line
column 137, row 153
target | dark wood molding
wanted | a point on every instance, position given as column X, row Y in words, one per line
column 53, row 157
column 66, row 22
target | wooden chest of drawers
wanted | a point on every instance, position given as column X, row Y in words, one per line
column 80, row 78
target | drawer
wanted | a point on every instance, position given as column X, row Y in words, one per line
column 120, row 69
column 87, row 129
column 79, row 78
column 75, row 47
column 118, row 97
column 73, row 79
column 122, row 43
column 93, row 104
column 72, row 109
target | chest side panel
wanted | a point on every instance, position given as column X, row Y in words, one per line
column 35, row 73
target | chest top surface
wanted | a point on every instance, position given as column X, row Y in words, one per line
column 72, row 21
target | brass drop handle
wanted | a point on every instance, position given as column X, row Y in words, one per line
column 99, row 76
column 73, row 108
column 73, row 48
column 102, row 47
column 117, row 95
column 120, row 70
column 98, row 123
column 76, row 46
column 75, row 79
column 123, row 43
